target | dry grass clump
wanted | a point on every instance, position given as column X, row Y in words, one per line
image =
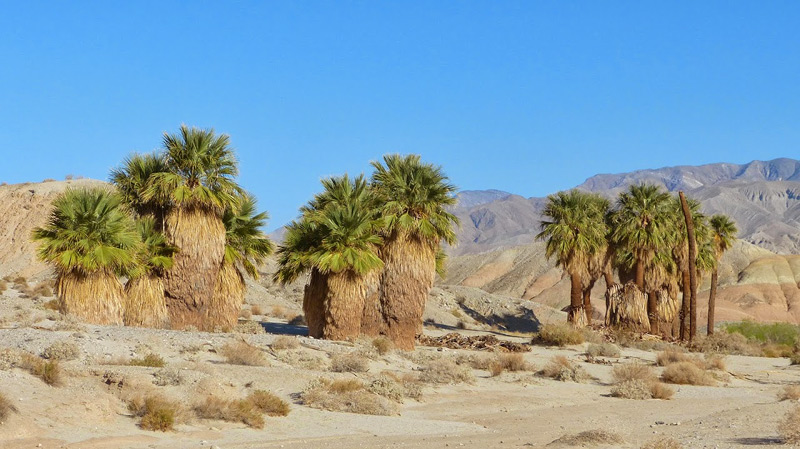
column 49, row 371
column 383, row 345
column 6, row 407
column 303, row 360
column 638, row 381
column 150, row 360
column 789, row 427
column 663, row 443
column 412, row 386
column 708, row 362
column 558, row 335
column 789, row 393
column 661, row 391
column 603, row 350
column 268, row 403
column 794, row 359
column 245, row 314
column 42, row 289
column 249, row 327
column 61, row 350
column 167, row 376
column 387, row 387
column 349, row 362
column 508, row 362
column 593, row 437
column 445, row 371
column 285, row 342
column 632, row 371
column 297, row 320
column 672, row 355
column 349, row 396
column 3, row 285
column 687, row 373
column 255, row 309
column 560, row 368
column 155, row 412
column 52, row 305
column 725, row 343
column 243, row 353
column 238, row 410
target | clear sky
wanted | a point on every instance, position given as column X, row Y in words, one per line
column 529, row 97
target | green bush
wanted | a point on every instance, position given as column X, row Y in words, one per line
column 778, row 333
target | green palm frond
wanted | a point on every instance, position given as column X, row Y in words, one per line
column 723, row 231
column 245, row 242
column 642, row 222
column 132, row 178
column 154, row 254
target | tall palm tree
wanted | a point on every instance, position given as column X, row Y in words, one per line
column 575, row 232
column 246, row 248
column 198, row 186
column 641, row 223
column 89, row 241
column 145, row 304
column 413, row 198
column 132, row 179
column 337, row 240
column 723, row 231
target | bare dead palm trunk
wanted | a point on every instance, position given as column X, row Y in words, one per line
column 684, row 331
column 145, row 305
column 576, row 314
column 344, row 306
column 712, row 298
column 222, row 313
column 314, row 295
column 587, row 303
column 652, row 311
column 372, row 323
column 687, row 215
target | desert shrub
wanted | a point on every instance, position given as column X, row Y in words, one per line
column 387, row 387
column 167, row 376
column 279, row 312
column 560, row 368
column 789, row 426
column 632, row 371
column 663, row 443
column 383, row 345
column 725, row 343
column 249, row 327
column 632, row 389
column 776, row 350
column 789, row 393
column 480, row 361
column 586, row 438
column 237, row 410
column 61, row 350
column 297, row 320
column 794, row 358
column 3, row 285
column 445, row 371
column 659, row 390
column 49, row 371
column 558, row 335
column 51, row 305
column 780, row 333
column 43, row 289
column 6, row 407
column 242, row 353
column 245, row 314
column 715, row 361
column 412, row 387
column 268, row 403
column 686, row 373
column 150, row 360
column 285, row 342
column 155, row 412
column 349, row 362
column 255, row 309
column 507, row 362
column 346, row 397
column 603, row 350
column 671, row 355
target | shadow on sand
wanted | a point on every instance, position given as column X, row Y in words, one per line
column 284, row 329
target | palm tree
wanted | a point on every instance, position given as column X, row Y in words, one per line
column 198, row 186
column 575, row 230
column 89, row 241
column 132, row 179
column 723, row 235
column 337, row 240
column 641, row 224
column 246, row 248
column 145, row 304
column 413, row 198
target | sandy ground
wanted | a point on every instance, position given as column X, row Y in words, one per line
column 515, row 409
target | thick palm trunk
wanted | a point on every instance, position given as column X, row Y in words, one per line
column 712, row 298
column 190, row 283
column 222, row 313
column 145, row 304
column 640, row 274
column 687, row 215
column 96, row 298
column 372, row 323
column 314, row 295
column 344, row 305
column 684, row 331
column 409, row 270
column 652, row 311
column 576, row 314
column 587, row 303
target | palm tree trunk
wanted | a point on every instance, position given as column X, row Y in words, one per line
column 587, row 303
column 409, row 270
column 314, row 295
column 344, row 306
column 687, row 215
column 640, row 273
column 652, row 311
column 372, row 323
column 712, row 298
column 96, row 298
column 576, row 314
column 190, row 283
column 222, row 313
column 684, row 333
column 145, row 305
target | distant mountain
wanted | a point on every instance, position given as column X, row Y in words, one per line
column 762, row 196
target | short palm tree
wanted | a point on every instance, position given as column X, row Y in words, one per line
column 337, row 240
column 132, row 178
column 197, row 187
column 246, row 248
column 145, row 304
column 89, row 240
column 413, row 198
column 575, row 230
column 723, row 235
column 641, row 226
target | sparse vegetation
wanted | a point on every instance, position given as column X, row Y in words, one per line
column 663, row 443
column 285, row 342
column 507, row 362
column 560, row 368
column 445, row 371
column 632, row 371
column 167, row 376
column 49, row 371
column 255, row 309
column 789, row 427
column 245, row 314
column 789, row 393
column 150, row 360
column 638, row 381
column 778, row 333
column 350, row 396
column 51, row 305
column 603, row 350
column 586, row 438
column 349, row 362
column 268, row 403
column 243, row 353
column 558, row 335
column 6, row 407
column 237, row 410
column 61, row 350
column 724, row 343
column 155, row 412
column 687, row 373
column 249, row 327
column 383, row 345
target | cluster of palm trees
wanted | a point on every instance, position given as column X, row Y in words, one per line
column 175, row 224
column 644, row 237
column 371, row 249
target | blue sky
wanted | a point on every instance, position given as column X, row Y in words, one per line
column 529, row 97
